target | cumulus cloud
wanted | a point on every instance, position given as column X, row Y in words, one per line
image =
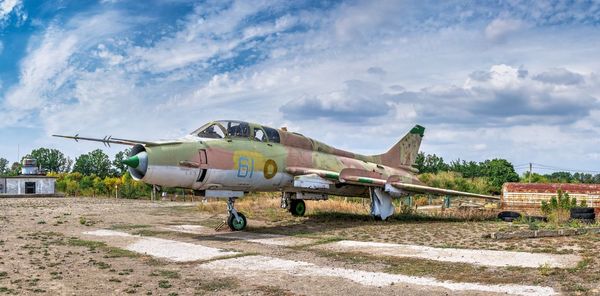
column 501, row 96
column 560, row 76
column 358, row 101
column 371, row 68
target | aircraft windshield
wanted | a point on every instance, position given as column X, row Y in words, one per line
column 222, row 129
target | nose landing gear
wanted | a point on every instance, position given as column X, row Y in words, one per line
column 236, row 220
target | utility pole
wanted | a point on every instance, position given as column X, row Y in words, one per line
column 530, row 171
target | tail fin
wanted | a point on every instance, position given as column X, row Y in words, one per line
column 404, row 153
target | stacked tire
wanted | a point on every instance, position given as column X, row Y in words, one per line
column 585, row 214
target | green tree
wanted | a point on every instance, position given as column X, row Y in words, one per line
column 561, row 177
column 430, row 163
column 498, row 172
column 119, row 168
column 469, row 169
column 15, row 169
column 94, row 163
column 51, row 160
column 3, row 166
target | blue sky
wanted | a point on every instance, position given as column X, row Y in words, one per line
column 510, row 79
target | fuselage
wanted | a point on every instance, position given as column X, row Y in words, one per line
column 250, row 157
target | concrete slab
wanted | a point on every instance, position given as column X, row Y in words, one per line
column 253, row 265
column 470, row 256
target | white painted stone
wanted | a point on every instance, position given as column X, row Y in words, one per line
column 106, row 232
column 164, row 248
column 194, row 229
column 251, row 265
column 176, row 251
column 267, row 239
column 471, row 256
column 259, row 238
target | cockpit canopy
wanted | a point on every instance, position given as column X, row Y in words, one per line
column 237, row 129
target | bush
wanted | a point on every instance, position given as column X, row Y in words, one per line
column 74, row 184
column 558, row 208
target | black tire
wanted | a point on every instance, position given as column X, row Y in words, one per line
column 297, row 207
column 234, row 225
column 584, row 216
column 509, row 216
column 582, row 210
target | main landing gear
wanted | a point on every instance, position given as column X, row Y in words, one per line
column 290, row 201
column 297, row 207
column 236, row 220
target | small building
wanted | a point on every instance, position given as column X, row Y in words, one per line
column 31, row 182
column 528, row 197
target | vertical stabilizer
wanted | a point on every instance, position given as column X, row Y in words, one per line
column 404, row 153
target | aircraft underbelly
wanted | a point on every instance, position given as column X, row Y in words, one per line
column 247, row 181
column 171, row 176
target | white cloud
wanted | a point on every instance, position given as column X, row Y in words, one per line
column 49, row 67
column 7, row 6
column 357, row 76
column 498, row 29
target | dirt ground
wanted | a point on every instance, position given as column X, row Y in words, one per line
column 87, row 246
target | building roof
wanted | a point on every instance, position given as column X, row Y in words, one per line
column 552, row 188
column 28, row 177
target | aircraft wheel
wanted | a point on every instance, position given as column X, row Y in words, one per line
column 297, row 207
column 235, row 225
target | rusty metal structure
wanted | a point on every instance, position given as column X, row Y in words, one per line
column 227, row 158
column 528, row 197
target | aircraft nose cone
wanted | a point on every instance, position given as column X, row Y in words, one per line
column 132, row 162
column 137, row 163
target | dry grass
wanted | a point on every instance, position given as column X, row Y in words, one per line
column 267, row 206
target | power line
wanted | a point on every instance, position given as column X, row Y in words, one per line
column 554, row 168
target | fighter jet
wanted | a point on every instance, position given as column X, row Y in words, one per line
column 228, row 158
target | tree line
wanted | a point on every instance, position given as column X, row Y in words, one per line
column 91, row 174
column 486, row 176
column 95, row 163
column 94, row 173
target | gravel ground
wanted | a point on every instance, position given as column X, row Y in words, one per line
column 63, row 246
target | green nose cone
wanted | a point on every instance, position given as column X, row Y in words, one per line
column 133, row 161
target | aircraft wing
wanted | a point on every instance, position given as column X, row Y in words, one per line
column 438, row 191
column 110, row 140
column 400, row 184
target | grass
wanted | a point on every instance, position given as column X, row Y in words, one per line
column 92, row 245
column 216, row 285
column 170, row 274
column 86, row 222
column 111, row 252
column 266, row 206
column 164, row 284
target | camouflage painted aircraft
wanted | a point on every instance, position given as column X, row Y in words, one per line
column 226, row 159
